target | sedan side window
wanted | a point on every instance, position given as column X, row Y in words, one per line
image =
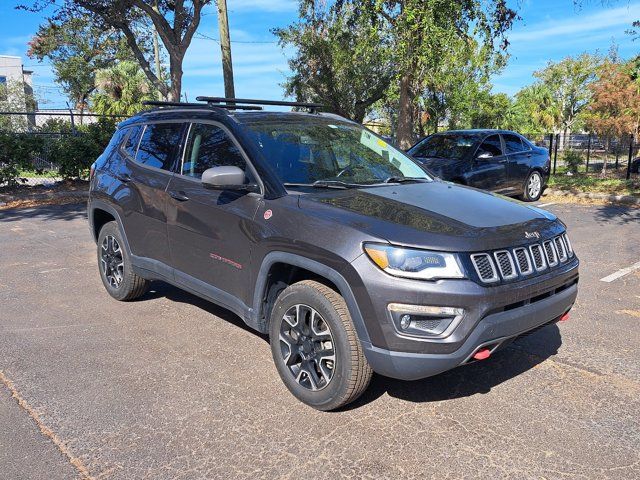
column 490, row 147
column 158, row 145
column 513, row 143
column 209, row 146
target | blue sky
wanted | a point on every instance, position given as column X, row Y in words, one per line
column 548, row 30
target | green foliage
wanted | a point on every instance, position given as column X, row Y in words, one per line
column 15, row 155
column 573, row 160
column 15, row 97
column 121, row 89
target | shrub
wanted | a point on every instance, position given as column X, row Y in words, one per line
column 572, row 160
column 15, row 155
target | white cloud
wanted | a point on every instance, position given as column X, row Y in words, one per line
column 604, row 20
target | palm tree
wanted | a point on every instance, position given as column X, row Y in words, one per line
column 121, row 89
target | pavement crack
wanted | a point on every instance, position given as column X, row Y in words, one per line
column 44, row 429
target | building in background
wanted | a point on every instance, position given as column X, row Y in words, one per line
column 16, row 87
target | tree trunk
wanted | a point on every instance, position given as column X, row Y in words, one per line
column 175, row 72
column 405, row 113
column 225, row 46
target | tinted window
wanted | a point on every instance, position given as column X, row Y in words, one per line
column 491, row 145
column 157, row 145
column 209, row 146
column 447, row 146
column 133, row 138
column 513, row 143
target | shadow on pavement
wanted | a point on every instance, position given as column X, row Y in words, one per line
column 620, row 214
column 46, row 212
column 464, row 381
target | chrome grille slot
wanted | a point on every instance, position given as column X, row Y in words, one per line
column 568, row 244
column 561, row 249
column 537, row 254
column 505, row 264
column 550, row 252
column 484, row 267
column 522, row 259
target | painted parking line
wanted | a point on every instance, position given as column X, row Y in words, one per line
column 620, row 273
column 546, row 204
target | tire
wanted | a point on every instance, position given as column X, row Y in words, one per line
column 312, row 376
column 533, row 187
column 114, row 265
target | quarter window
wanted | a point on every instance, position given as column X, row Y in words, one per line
column 158, row 144
column 133, row 138
column 491, row 145
column 209, row 146
column 513, row 143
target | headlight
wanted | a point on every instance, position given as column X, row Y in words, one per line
column 412, row 263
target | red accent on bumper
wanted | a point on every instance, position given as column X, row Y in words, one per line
column 482, row 354
column 564, row 317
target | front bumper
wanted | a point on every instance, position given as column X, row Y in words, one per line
column 492, row 315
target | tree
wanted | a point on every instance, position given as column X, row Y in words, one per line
column 77, row 49
column 176, row 21
column 426, row 37
column 15, row 96
column 121, row 89
column 615, row 105
column 342, row 59
column 534, row 110
column 568, row 83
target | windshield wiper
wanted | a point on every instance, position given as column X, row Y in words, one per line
column 324, row 184
column 399, row 179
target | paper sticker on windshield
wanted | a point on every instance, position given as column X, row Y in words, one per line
column 382, row 143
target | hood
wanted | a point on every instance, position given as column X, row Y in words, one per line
column 445, row 168
column 436, row 215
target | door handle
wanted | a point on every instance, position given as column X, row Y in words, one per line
column 124, row 177
column 180, row 196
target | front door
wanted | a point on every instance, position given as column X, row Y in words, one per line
column 519, row 160
column 211, row 231
column 489, row 169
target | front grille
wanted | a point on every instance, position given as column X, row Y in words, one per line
column 510, row 264
column 550, row 252
column 484, row 267
column 505, row 264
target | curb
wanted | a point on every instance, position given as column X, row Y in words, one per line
column 80, row 194
column 628, row 199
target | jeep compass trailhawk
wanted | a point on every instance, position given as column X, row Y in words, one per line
column 350, row 255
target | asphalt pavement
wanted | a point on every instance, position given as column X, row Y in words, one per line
column 171, row 386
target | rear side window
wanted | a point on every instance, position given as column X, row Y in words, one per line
column 491, row 145
column 209, row 146
column 158, row 144
column 513, row 143
column 133, row 138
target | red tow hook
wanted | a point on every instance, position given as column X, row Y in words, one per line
column 564, row 317
column 482, row 354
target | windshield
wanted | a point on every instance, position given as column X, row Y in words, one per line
column 327, row 150
column 448, row 146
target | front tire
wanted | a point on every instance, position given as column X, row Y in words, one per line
column 315, row 347
column 114, row 264
column 533, row 187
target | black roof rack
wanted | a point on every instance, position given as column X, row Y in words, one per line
column 157, row 103
column 233, row 102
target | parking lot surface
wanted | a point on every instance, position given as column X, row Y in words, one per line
column 171, row 386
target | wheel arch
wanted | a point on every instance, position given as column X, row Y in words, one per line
column 280, row 269
column 101, row 213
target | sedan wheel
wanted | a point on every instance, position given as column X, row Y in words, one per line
column 533, row 187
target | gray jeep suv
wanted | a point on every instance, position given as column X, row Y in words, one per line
column 350, row 255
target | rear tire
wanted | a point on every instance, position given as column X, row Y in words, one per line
column 533, row 187
column 315, row 347
column 114, row 265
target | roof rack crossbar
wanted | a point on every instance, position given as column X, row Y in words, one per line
column 218, row 101
column 157, row 103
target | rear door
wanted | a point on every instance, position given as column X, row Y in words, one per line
column 150, row 156
column 211, row 232
column 489, row 170
column 518, row 161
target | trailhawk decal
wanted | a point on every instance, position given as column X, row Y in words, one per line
column 215, row 256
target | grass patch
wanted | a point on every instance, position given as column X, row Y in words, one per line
column 594, row 183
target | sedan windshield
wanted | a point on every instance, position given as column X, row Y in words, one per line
column 328, row 153
column 447, row 146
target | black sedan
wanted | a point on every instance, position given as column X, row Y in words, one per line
column 497, row 160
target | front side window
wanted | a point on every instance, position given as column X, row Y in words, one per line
column 158, row 145
column 513, row 143
column 490, row 147
column 325, row 149
column 209, row 146
column 445, row 146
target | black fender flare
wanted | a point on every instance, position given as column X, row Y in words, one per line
column 319, row 269
column 101, row 205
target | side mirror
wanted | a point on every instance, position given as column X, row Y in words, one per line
column 485, row 155
column 226, row 178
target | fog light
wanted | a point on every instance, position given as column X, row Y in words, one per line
column 424, row 320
